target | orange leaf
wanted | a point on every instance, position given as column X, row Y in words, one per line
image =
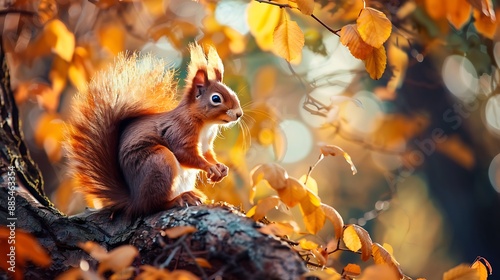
column 483, row 267
column 435, row 9
column 58, row 74
column 305, row 6
column 279, row 229
column 374, row 27
column 327, row 273
column 95, row 250
column 263, row 206
column 313, row 215
column 349, row 37
column 375, row 63
column 485, row 7
column 294, row 192
column 379, row 272
column 351, row 270
column 484, row 24
column 45, row 96
column 335, row 218
column 179, row 231
column 382, row 256
column 288, row 39
column 332, row 150
column 26, row 248
column 273, row 173
column 112, row 38
column 461, row 272
column 458, row 12
column 203, row 262
column 356, row 238
column 118, row 259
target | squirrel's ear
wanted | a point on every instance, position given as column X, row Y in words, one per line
column 200, row 79
column 215, row 64
column 199, row 83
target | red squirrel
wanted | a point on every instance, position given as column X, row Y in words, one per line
column 133, row 149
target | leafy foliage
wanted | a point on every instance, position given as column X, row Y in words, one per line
column 63, row 51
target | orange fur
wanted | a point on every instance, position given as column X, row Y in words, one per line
column 131, row 145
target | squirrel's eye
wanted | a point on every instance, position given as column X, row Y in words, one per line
column 216, row 99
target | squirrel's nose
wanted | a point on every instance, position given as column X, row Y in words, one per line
column 238, row 115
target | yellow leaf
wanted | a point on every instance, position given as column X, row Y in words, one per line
column 349, row 37
column 374, row 27
column 288, row 39
column 323, row 274
column 306, row 6
column 61, row 40
column 311, row 184
column 262, row 20
column 352, row 270
column 461, row 272
column 58, row 74
column 273, row 173
column 263, row 206
column 77, row 72
column 458, row 12
column 178, row 231
column 112, row 38
column 335, row 218
column 351, row 238
column 308, row 244
column 118, row 259
column 293, row 193
column 356, row 238
column 388, row 248
column 313, row 215
column 376, row 62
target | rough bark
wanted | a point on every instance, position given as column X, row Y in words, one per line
column 227, row 239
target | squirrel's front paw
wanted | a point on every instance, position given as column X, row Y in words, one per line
column 217, row 172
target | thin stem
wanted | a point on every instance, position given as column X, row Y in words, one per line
column 336, row 32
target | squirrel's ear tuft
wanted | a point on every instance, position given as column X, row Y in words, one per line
column 198, row 63
column 215, row 64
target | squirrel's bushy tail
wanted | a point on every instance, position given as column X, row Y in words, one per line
column 135, row 85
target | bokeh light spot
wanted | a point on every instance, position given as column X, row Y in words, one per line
column 299, row 140
column 494, row 173
column 460, row 76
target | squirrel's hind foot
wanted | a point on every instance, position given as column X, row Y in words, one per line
column 190, row 198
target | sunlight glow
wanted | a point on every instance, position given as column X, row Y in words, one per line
column 299, row 140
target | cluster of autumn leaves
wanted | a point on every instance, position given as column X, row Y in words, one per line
column 274, row 30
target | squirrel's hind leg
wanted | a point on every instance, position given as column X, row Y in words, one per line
column 150, row 180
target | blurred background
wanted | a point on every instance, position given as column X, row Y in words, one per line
column 425, row 138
